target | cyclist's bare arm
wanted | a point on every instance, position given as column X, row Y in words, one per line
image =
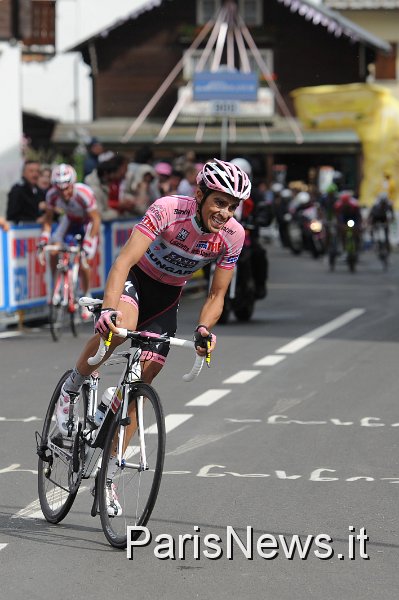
column 213, row 306
column 95, row 219
column 48, row 219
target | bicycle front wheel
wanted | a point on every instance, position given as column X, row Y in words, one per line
column 58, row 310
column 60, row 463
column 127, row 492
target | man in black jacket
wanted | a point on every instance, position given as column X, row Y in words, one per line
column 25, row 197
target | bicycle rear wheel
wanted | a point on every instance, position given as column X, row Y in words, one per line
column 58, row 310
column 135, row 484
column 60, row 464
column 74, row 319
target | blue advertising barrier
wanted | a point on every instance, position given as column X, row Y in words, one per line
column 24, row 281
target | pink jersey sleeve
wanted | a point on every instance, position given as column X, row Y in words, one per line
column 158, row 217
column 233, row 241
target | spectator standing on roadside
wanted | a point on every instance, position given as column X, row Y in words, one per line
column 4, row 225
column 187, row 185
column 25, row 197
column 138, row 185
column 44, row 181
column 107, row 183
column 94, row 150
column 161, row 184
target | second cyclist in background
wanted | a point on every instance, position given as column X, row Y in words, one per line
column 80, row 216
column 347, row 209
column 381, row 214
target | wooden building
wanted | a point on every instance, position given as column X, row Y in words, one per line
column 302, row 44
column 30, row 22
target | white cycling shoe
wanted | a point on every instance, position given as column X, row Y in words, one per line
column 113, row 507
column 62, row 412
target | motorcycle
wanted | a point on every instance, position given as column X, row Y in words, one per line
column 240, row 297
column 305, row 231
column 294, row 233
column 313, row 231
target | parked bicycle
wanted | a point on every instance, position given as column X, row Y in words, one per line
column 64, row 297
column 130, row 437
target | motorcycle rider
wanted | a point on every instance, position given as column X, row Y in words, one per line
column 252, row 215
column 280, row 204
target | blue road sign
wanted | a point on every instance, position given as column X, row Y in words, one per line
column 223, row 85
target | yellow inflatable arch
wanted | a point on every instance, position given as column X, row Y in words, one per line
column 373, row 113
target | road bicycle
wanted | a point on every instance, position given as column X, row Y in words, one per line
column 351, row 246
column 130, row 441
column 64, row 298
column 381, row 244
column 332, row 243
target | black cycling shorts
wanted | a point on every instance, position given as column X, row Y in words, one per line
column 157, row 305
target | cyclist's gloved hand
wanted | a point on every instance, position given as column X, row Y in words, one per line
column 201, row 338
column 43, row 239
column 89, row 245
column 108, row 316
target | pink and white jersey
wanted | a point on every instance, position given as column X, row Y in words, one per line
column 82, row 202
column 179, row 246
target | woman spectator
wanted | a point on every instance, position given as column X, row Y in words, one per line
column 138, row 187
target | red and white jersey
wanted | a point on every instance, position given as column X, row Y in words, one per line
column 179, row 246
column 77, row 208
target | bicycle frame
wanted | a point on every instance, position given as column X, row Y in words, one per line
column 68, row 264
column 96, row 438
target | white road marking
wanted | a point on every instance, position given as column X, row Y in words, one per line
column 2, row 546
column 33, row 510
column 202, row 440
column 303, row 341
column 171, row 422
column 9, row 334
column 207, row 398
column 241, row 377
column 269, row 361
column 243, row 420
column 27, row 420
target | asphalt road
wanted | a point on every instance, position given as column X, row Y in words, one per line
column 292, row 432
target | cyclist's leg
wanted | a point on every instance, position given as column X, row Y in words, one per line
column 84, row 273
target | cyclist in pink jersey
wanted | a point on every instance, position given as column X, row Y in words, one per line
column 177, row 236
column 80, row 217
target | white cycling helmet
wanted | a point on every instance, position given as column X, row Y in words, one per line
column 225, row 177
column 286, row 193
column 277, row 188
column 244, row 164
column 302, row 198
column 63, row 175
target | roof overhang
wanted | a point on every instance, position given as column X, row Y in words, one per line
column 335, row 23
column 280, row 137
column 319, row 14
column 141, row 6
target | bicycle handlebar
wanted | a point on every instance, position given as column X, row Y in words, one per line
column 126, row 333
column 61, row 249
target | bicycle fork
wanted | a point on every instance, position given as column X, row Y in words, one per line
column 125, row 421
